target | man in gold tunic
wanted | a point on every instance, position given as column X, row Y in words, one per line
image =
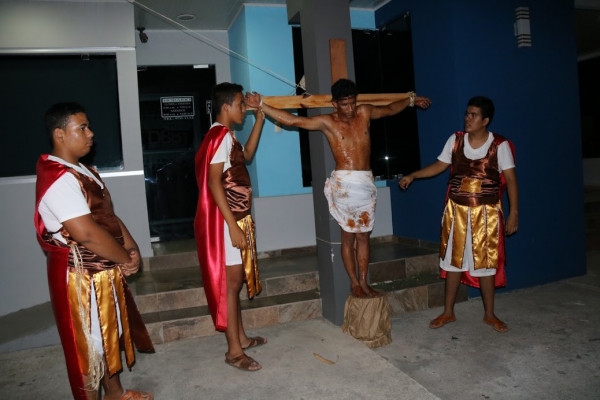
column 473, row 228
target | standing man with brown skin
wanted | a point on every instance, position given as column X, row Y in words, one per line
column 350, row 191
column 223, row 226
column 90, row 252
column 473, row 229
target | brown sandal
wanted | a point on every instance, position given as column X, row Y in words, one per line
column 242, row 362
column 255, row 342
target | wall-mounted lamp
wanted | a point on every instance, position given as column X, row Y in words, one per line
column 143, row 36
column 522, row 27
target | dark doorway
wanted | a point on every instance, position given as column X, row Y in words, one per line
column 589, row 100
column 383, row 63
column 174, row 106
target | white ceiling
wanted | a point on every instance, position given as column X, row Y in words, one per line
column 210, row 14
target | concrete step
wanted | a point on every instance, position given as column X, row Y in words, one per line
column 165, row 293
column 173, row 302
column 192, row 322
column 175, row 288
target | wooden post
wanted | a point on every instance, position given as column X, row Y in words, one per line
column 337, row 52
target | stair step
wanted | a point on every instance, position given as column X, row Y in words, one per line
column 191, row 322
column 173, row 303
column 172, row 294
column 417, row 292
column 175, row 288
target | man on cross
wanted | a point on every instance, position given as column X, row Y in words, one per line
column 350, row 190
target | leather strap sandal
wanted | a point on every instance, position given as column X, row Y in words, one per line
column 255, row 342
column 243, row 363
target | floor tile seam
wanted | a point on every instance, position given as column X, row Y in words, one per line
column 244, row 309
column 185, row 319
column 176, row 291
column 265, row 296
column 289, row 275
column 269, row 279
column 426, row 285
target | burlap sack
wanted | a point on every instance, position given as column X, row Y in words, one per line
column 368, row 320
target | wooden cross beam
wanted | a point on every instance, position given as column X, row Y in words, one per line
column 339, row 69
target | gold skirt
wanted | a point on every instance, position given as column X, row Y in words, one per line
column 249, row 259
column 104, row 283
column 485, row 233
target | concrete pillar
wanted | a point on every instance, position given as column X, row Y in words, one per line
column 320, row 21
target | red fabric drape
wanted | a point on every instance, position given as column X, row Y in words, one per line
column 57, row 263
column 209, row 231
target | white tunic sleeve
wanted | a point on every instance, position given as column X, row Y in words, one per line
column 223, row 152
column 446, row 155
column 505, row 157
column 63, row 201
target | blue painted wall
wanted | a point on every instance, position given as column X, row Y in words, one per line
column 362, row 19
column 265, row 33
column 464, row 48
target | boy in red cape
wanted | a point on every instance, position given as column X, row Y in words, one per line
column 90, row 251
column 223, row 225
column 472, row 240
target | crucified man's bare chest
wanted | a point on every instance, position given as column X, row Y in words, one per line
column 350, row 144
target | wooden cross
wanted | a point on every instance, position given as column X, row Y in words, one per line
column 337, row 52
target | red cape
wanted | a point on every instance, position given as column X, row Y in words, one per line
column 500, row 277
column 209, row 231
column 57, row 259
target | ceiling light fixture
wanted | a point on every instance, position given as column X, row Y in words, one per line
column 186, row 17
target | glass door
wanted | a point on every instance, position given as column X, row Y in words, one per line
column 173, row 116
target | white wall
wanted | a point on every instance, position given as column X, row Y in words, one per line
column 64, row 27
column 286, row 222
column 175, row 47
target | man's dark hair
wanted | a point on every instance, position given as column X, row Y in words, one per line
column 58, row 115
column 224, row 93
column 343, row 89
column 485, row 104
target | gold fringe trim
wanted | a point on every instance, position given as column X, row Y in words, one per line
column 94, row 359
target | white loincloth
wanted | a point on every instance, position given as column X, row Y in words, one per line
column 352, row 196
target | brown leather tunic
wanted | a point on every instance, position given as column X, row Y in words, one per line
column 474, row 182
column 100, row 205
column 236, row 183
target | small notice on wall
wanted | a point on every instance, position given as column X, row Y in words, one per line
column 181, row 107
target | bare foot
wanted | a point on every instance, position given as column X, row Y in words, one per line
column 357, row 291
column 442, row 320
column 369, row 292
column 496, row 323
